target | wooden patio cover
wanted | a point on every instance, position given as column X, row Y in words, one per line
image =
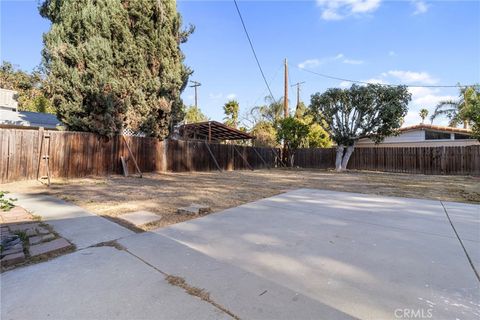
column 212, row 131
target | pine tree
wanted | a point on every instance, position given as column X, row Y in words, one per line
column 115, row 63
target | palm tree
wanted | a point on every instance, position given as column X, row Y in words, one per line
column 271, row 112
column 423, row 114
column 457, row 111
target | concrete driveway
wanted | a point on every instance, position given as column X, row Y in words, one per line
column 305, row 254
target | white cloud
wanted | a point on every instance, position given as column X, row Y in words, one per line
column 375, row 81
column 340, row 9
column 309, row 63
column 352, row 61
column 331, row 14
column 215, row 96
column 313, row 63
column 231, row 96
column 420, row 6
column 410, row 76
column 348, row 84
column 431, row 100
column 428, row 97
column 392, row 53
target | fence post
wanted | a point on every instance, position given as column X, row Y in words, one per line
column 40, row 149
column 443, row 161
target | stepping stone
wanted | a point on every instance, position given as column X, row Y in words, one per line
column 12, row 259
column 48, row 237
column 139, row 218
column 42, row 230
column 23, row 227
column 14, row 249
column 49, row 247
column 38, row 239
column 194, row 209
column 35, row 240
column 30, row 232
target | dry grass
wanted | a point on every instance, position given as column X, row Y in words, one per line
column 164, row 193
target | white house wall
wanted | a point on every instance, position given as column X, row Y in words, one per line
column 409, row 136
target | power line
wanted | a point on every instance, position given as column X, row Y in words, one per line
column 270, row 83
column 387, row 85
column 253, row 50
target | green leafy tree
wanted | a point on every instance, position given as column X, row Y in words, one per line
column 317, row 136
column 457, row 111
column 194, row 114
column 372, row 111
column 472, row 96
column 231, row 109
column 423, row 114
column 300, row 110
column 30, row 88
column 115, row 63
column 293, row 133
column 265, row 134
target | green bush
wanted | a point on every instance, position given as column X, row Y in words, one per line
column 6, row 204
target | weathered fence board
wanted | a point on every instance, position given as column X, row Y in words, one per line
column 79, row 154
column 463, row 160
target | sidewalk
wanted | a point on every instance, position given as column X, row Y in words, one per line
column 77, row 225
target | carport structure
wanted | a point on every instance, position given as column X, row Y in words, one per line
column 216, row 132
column 212, row 131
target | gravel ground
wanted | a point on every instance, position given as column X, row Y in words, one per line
column 164, row 193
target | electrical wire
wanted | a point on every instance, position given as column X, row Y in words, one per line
column 253, row 50
column 387, row 85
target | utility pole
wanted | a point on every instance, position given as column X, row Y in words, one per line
column 298, row 93
column 195, row 85
column 285, row 96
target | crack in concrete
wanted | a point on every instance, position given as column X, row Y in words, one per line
column 174, row 280
column 461, row 242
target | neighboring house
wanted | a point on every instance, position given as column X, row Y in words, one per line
column 425, row 135
column 9, row 116
column 8, row 100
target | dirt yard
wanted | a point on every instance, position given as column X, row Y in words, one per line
column 164, row 193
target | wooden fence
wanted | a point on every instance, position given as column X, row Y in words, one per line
column 424, row 160
column 78, row 154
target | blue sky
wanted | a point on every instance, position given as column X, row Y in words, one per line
column 396, row 42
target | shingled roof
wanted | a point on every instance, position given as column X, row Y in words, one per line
column 27, row 118
column 423, row 126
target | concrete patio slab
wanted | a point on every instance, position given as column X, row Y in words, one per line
column 139, row 218
column 77, row 225
column 466, row 219
column 305, row 254
column 365, row 256
column 97, row 283
column 247, row 295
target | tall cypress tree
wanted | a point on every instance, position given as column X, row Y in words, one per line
column 115, row 63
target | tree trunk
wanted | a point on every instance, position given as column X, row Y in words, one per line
column 346, row 157
column 338, row 160
column 291, row 158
